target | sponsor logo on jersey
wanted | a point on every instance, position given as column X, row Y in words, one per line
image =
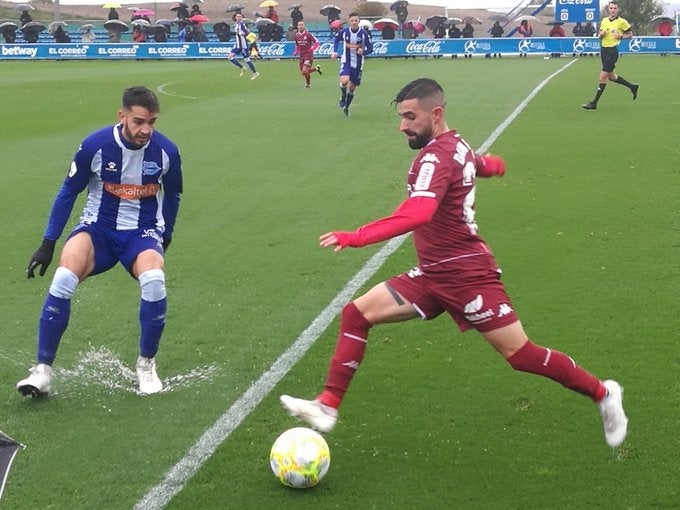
column 132, row 191
column 475, row 314
column 424, row 176
column 111, row 166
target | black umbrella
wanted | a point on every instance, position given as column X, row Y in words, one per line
column 8, row 24
column 156, row 28
column 328, row 9
column 116, row 25
column 33, row 26
column 221, row 27
column 555, row 23
column 434, row 21
column 235, row 8
column 294, row 6
column 398, row 5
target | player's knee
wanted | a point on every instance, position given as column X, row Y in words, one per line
column 64, row 283
column 152, row 283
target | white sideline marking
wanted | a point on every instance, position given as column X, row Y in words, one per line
column 177, row 477
column 161, row 89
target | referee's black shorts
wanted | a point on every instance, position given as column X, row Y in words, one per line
column 609, row 57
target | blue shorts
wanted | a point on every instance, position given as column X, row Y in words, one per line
column 353, row 73
column 111, row 246
column 240, row 51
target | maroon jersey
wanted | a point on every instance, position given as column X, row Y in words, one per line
column 445, row 170
column 305, row 41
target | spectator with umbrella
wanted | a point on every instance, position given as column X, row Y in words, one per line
column 115, row 28
column 436, row 24
column 198, row 31
column 113, row 13
column 332, row 12
column 8, row 29
column 222, row 30
column 181, row 11
column 387, row 28
column 88, row 34
column 296, row 14
column 31, row 31
column 400, row 8
column 271, row 12
column 25, row 15
column 57, row 31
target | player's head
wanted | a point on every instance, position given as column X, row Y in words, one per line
column 421, row 105
column 237, row 17
column 613, row 9
column 301, row 26
column 353, row 20
column 138, row 114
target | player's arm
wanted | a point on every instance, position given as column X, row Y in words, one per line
column 172, row 189
column 411, row 214
column 75, row 182
column 489, row 165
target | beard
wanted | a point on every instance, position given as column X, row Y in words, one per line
column 419, row 140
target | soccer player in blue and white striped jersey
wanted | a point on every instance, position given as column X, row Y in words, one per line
column 241, row 46
column 133, row 177
column 356, row 45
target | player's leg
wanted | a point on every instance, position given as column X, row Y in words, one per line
column 148, row 269
column 344, row 80
column 77, row 261
column 251, row 66
column 633, row 87
column 305, row 71
column 522, row 354
column 381, row 304
column 233, row 60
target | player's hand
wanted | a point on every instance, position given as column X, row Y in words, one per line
column 42, row 257
column 494, row 164
column 338, row 239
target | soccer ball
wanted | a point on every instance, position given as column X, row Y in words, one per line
column 300, row 458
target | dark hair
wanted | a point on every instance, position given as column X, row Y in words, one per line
column 352, row 14
column 140, row 96
column 422, row 88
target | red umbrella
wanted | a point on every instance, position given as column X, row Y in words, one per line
column 144, row 12
column 336, row 24
column 383, row 22
column 198, row 18
column 415, row 25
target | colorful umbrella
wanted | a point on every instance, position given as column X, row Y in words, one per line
column 199, row 18
column 269, row 3
column 415, row 25
column 145, row 12
column 336, row 24
column 383, row 22
column 111, row 5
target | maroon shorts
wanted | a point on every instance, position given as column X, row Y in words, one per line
column 478, row 302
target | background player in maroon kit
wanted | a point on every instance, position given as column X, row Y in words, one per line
column 305, row 44
column 456, row 271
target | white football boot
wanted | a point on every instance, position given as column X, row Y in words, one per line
column 613, row 416
column 317, row 415
column 148, row 378
column 38, row 383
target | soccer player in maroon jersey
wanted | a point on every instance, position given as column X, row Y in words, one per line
column 457, row 272
column 305, row 44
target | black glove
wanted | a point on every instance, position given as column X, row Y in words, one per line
column 41, row 257
column 166, row 243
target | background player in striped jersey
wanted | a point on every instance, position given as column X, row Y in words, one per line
column 133, row 176
column 356, row 45
column 305, row 44
column 457, row 273
column 241, row 46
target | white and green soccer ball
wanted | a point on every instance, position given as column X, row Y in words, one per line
column 300, row 458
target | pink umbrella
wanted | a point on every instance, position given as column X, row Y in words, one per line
column 336, row 24
column 144, row 12
column 415, row 25
column 199, row 18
